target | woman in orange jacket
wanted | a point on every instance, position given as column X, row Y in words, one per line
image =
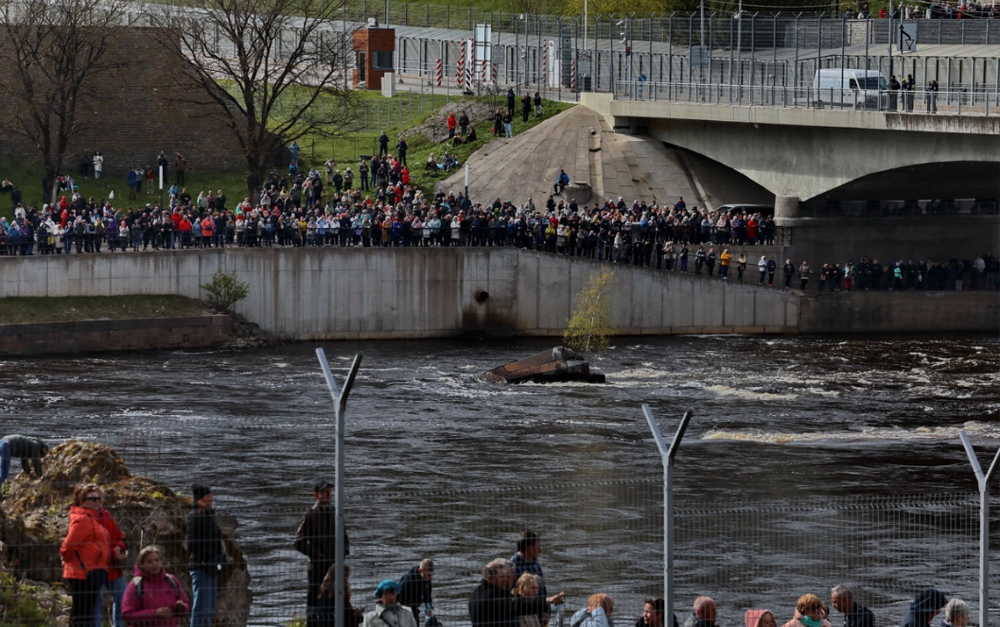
column 85, row 555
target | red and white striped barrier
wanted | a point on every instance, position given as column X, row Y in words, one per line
column 493, row 79
column 460, row 66
column 483, row 69
column 440, row 73
column 572, row 76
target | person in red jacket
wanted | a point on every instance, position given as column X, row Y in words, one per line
column 85, row 555
column 154, row 598
column 116, row 578
column 207, row 230
column 185, row 232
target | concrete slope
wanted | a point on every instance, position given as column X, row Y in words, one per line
column 526, row 166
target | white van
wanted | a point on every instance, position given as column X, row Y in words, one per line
column 844, row 87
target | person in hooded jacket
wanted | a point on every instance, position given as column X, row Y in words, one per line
column 760, row 618
column 154, row 598
column 85, row 554
column 924, row 608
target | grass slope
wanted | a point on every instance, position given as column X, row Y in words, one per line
column 25, row 310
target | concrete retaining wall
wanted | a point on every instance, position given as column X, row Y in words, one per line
column 897, row 312
column 114, row 335
column 312, row 294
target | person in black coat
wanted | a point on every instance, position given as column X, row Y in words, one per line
column 491, row 604
column 924, row 608
column 206, row 555
column 415, row 589
column 316, row 538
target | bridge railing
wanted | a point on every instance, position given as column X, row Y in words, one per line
column 951, row 102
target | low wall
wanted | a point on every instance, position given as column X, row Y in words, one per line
column 312, row 294
column 901, row 312
column 348, row 293
column 114, row 335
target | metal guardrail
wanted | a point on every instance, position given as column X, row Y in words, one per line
column 952, row 102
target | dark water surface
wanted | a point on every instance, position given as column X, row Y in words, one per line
column 435, row 454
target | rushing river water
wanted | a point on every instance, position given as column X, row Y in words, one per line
column 784, row 421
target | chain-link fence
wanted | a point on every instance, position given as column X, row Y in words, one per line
column 598, row 536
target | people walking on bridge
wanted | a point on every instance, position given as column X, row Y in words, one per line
column 762, row 266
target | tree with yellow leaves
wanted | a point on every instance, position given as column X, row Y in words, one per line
column 590, row 327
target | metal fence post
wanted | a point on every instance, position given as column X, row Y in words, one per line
column 339, row 409
column 667, row 458
column 984, row 525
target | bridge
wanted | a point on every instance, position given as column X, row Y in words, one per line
column 807, row 153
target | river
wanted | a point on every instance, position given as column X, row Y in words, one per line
column 441, row 463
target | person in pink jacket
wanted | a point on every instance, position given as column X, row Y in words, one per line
column 154, row 598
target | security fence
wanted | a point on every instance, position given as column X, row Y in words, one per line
column 566, row 55
column 597, row 536
column 890, row 101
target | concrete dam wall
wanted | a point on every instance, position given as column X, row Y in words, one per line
column 314, row 294
column 311, row 294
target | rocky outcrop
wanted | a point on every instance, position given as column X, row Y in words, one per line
column 34, row 517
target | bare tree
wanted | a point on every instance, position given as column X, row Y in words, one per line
column 52, row 51
column 275, row 70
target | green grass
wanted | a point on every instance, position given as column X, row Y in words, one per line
column 25, row 310
column 421, row 147
column 345, row 151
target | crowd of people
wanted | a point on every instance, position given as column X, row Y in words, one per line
column 379, row 207
column 511, row 593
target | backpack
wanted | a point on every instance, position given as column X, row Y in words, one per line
column 137, row 584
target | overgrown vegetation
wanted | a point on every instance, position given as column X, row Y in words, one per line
column 17, row 603
column 17, row 310
column 590, row 328
column 225, row 290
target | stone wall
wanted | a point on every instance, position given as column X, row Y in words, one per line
column 87, row 336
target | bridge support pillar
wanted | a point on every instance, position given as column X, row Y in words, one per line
column 785, row 208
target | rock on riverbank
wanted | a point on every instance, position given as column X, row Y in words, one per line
column 34, row 521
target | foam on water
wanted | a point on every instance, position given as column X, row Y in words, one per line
column 974, row 428
column 751, row 394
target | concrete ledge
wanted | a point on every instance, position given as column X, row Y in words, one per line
column 901, row 312
column 114, row 335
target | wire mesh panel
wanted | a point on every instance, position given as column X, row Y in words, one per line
column 599, row 536
column 886, row 548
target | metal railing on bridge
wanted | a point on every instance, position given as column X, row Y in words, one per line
column 950, row 102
